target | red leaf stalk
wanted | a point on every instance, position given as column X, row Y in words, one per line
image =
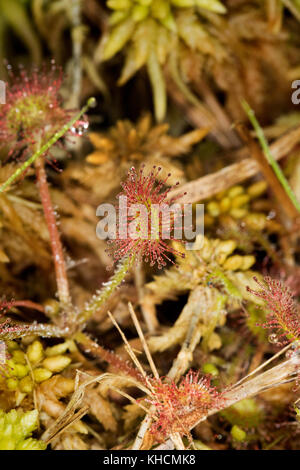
column 283, row 314
column 56, row 245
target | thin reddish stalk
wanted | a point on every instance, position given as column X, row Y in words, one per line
column 98, row 352
column 56, row 246
column 25, row 303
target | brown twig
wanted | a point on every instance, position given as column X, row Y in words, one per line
column 272, row 180
column 149, row 313
column 209, row 185
column 143, row 341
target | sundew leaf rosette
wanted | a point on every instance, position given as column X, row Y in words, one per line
column 146, row 219
column 33, row 111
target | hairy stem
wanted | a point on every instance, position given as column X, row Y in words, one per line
column 46, row 147
column 10, row 330
column 24, row 303
column 108, row 288
column 98, row 352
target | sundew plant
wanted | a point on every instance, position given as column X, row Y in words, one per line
column 118, row 331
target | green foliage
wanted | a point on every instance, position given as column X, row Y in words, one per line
column 151, row 30
column 238, row 433
column 245, row 414
column 16, row 428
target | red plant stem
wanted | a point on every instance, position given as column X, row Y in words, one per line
column 98, row 352
column 56, row 245
column 25, row 303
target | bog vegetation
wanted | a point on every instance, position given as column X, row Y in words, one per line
column 141, row 343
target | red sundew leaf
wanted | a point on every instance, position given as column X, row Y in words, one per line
column 33, row 111
column 149, row 241
column 283, row 313
column 179, row 407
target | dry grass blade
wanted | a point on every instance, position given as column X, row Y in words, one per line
column 208, row 186
column 62, row 425
column 143, row 341
column 130, row 351
column 70, row 416
column 274, row 183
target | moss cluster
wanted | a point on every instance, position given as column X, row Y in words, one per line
column 34, row 364
column 16, row 428
column 237, row 203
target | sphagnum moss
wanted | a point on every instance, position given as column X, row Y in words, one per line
column 32, row 364
column 150, row 30
column 16, row 428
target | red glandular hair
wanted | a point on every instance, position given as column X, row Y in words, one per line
column 179, row 407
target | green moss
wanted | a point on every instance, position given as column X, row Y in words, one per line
column 244, row 414
column 16, row 428
column 238, row 433
column 209, row 368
